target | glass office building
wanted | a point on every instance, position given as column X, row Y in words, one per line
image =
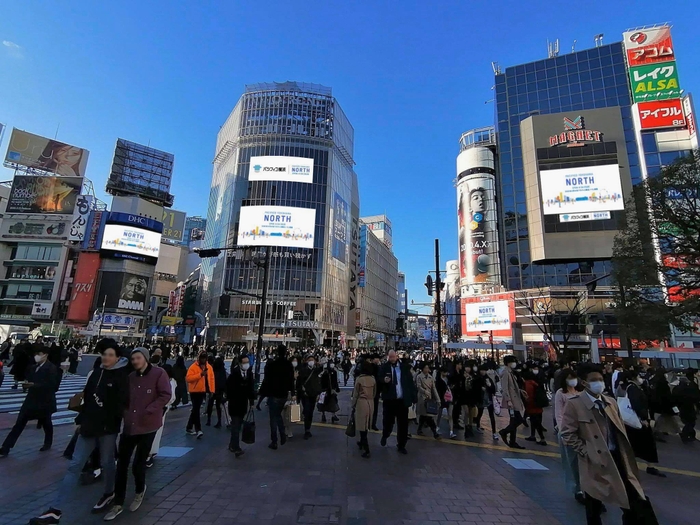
column 584, row 80
column 317, row 285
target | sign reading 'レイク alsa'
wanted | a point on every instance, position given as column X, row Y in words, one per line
column 654, row 82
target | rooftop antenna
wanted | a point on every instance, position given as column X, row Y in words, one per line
column 496, row 68
column 598, row 39
column 573, row 47
column 553, row 48
column 57, row 128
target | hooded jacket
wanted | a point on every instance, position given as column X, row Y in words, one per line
column 149, row 393
column 105, row 397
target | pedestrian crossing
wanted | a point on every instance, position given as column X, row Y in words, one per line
column 11, row 400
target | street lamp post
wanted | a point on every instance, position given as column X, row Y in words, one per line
column 263, row 312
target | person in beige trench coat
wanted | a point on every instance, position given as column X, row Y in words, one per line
column 608, row 470
column 363, row 404
column 427, row 391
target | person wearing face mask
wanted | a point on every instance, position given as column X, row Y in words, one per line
column 278, row 386
column 308, row 389
column 425, row 385
column 240, row 392
column 513, row 401
column 566, row 388
column 485, row 384
column 288, row 405
column 329, row 385
column 592, row 425
column 41, row 384
column 446, row 400
column 398, row 394
column 200, row 382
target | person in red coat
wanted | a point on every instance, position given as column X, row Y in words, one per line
column 534, row 406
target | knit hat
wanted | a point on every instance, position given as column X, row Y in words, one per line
column 143, row 351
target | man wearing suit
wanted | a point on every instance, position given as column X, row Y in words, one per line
column 593, row 427
column 240, row 392
column 42, row 382
column 398, row 394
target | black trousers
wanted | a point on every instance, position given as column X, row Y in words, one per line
column 515, row 421
column 492, row 417
column 427, row 421
column 141, row 444
column 218, row 399
column 640, row 512
column 195, row 420
column 395, row 409
column 18, row 428
column 376, row 412
column 536, row 425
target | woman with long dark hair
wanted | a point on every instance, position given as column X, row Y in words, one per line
column 566, row 387
column 179, row 375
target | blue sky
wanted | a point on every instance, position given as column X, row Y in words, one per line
column 411, row 76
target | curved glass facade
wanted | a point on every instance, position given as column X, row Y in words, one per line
column 293, row 120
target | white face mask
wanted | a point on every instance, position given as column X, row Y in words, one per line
column 513, row 365
column 245, row 366
column 572, row 382
column 640, row 381
column 311, row 364
column 332, row 365
column 596, row 387
column 475, row 368
column 535, row 371
column 38, row 359
column 294, row 364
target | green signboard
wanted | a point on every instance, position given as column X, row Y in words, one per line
column 654, row 82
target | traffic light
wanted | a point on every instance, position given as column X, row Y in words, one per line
column 211, row 252
column 429, row 284
column 399, row 324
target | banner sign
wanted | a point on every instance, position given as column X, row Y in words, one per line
column 43, row 194
column 40, row 153
column 42, row 310
column 339, row 239
column 661, row 114
column 654, row 82
column 81, row 215
column 83, row 288
column 577, row 217
column 92, row 240
column 290, row 169
column 649, row 46
column 31, row 229
column 134, row 220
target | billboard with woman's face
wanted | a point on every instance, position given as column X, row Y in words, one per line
column 34, row 151
column 45, row 195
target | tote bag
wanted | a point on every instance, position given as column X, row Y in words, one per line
column 248, row 434
column 629, row 416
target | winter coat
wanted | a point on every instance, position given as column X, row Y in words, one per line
column 240, row 392
column 531, row 407
column 22, row 360
column 309, row 382
column 220, row 380
column 425, row 387
column 585, row 429
column 41, row 396
column 363, row 402
column 109, row 387
column 196, row 383
column 149, row 394
column 329, row 380
column 511, row 392
column 279, row 379
column 687, row 398
column 408, row 386
column 641, row 439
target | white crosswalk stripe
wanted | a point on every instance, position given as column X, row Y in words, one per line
column 11, row 400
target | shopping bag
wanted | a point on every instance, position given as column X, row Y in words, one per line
column 248, row 434
column 629, row 416
column 431, row 407
column 350, row 429
column 294, row 413
column 497, row 405
column 331, row 404
column 412, row 412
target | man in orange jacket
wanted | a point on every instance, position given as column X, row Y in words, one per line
column 200, row 382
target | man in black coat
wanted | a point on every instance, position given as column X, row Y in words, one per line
column 278, row 387
column 308, row 390
column 42, row 382
column 398, row 393
column 240, row 392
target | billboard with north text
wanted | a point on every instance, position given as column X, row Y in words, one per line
column 277, row 226
column 580, row 190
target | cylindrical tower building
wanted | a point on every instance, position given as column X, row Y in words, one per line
column 476, row 210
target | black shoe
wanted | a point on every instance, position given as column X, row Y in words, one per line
column 323, row 419
column 366, row 454
column 307, row 435
column 402, row 451
column 655, row 472
column 542, row 443
column 208, row 423
column 334, row 419
column 45, row 448
column 238, row 453
column 375, row 429
column 49, row 517
column 272, row 446
column 383, row 442
column 436, row 436
column 283, row 439
column 149, row 462
column 531, row 438
column 101, row 505
column 516, row 446
column 504, row 436
column 580, row 497
column 218, row 425
column 4, row 452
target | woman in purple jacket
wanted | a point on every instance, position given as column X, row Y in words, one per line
column 149, row 393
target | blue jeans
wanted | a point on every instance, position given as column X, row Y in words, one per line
column 569, row 461
column 276, row 406
column 83, row 449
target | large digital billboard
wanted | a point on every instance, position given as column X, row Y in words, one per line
column 34, row 151
column 339, row 239
column 487, row 316
column 44, row 195
column 277, row 226
column 292, row 169
column 123, row 291
column 579, row 190
column 129, row 239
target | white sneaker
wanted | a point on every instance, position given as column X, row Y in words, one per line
column 138, row 499
column 191, row 432
column 496, row 437
column 115, row 511
column 453, row 435
column 200, row 434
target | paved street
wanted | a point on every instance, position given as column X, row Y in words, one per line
column 324, row 480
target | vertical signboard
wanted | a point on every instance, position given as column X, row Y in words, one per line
column 654, row 82
column 649, row 46
column 173, row 225
column 362, row 263
column 81, row 215
column 83, row 290
column 689, row 112
column 339, row 236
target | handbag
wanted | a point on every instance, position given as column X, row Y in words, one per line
column 496, row 406
column 350, row 429
column 75, row 403
column 331, row 404
column 412, row 412
column 629, row 416
column 294, row 413
column 448, row 396
column 431, row 407
column 248, row 434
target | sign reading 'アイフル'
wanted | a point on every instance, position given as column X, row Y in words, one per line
column 661, row 114
column 654, row 82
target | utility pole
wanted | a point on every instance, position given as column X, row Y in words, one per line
column 263, row 312
column 438, row 300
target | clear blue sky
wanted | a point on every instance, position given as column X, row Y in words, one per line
column 411, row 76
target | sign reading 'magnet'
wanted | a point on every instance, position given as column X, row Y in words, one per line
column 290, row 169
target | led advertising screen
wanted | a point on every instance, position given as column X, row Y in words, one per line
column 339, row 239
column 34, row 151
column 487, row 316
column 44, row 195
column 123, row 291
column 129, row 239
column 292, row 169
column 580, row 190
column 277, row 226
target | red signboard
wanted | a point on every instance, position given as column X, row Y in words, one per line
column 649, row 46
column 83, row 292
column 661, row 114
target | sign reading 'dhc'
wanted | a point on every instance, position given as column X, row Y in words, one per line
column 291, row 169
column 135, row 220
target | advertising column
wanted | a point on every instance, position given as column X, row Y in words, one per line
column 476, row 210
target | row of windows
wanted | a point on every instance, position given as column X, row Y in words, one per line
column 37, row 252
column 28, row 291
column 583, row 56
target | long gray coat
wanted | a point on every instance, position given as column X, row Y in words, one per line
column 426, row 390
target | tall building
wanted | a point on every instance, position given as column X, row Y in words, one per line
column 381, row 226
column 378, row 287
column 574, row 135
column 283, row 177
column 194, row 229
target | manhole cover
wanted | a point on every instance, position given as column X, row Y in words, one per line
column 319, row 514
